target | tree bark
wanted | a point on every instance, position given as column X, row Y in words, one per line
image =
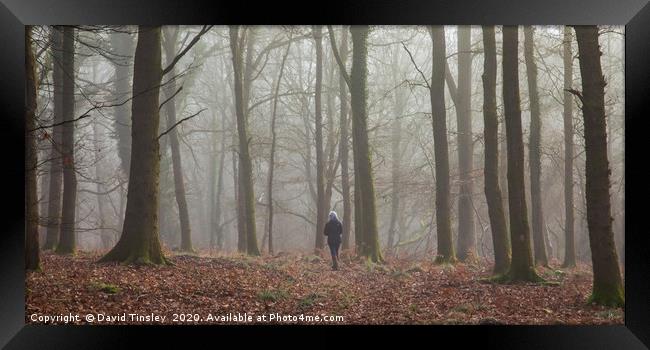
column 32, row 253
column 56, row 173
column 396, row 155
column 139, row 242
column 245, row 164
column 569, row 233
column 317, row 33
column 521, row 267
column 466, row 231
column 534, row 152
column 177, row 165
column 344, row 145
column 445, row 252
column 273, row 146
column 363, row 173
column 122, row 44
column 491, row 168
column 607, row 284
column 67, row 237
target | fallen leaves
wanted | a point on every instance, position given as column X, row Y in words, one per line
column 400, row 292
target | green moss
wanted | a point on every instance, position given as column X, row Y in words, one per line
column 607, row 295
column 105, row 287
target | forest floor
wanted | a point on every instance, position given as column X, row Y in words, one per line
column 398, row 292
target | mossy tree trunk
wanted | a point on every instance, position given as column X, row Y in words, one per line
column 445, row 252
column 607, row 284
column 491, row 168
column 534, row 151
column 171, row 35
column 344, row 144
column 67, row 236
column 32, row 253
column 466, row 231
column 246, row 194
column 521, row 266
column 139, row 242
column 569, row 246
column 56, row 174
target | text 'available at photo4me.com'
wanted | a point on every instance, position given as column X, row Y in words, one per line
column 229, row 318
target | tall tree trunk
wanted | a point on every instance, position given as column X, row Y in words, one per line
column 344, row 145
column 56, row 173
column 241, row 218
column 521, row 267
column 534, row 152
column 122, row 44
column 273, row 146
column 104, row 234
column 317, row 32
column 491, row 168
column 219, row 198
column 245, row 164
column 396, row 155
column 177, row 165
column 607, row 285
column 363, row 172
column 445, row 252
column 466, row 231
column 32, row 253
column 139, row 242
column 67, row 237
column 569, row 246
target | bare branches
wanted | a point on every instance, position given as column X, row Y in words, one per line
column 335, row 50
column 170, row 97
column 426, row 82
column 178, row 122
column 198, row 36
column 576, row 93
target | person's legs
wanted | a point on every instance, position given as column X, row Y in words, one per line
column 334, row 253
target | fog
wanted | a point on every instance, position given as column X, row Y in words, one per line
column 399, row 132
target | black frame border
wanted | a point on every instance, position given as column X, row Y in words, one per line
column 634, row 14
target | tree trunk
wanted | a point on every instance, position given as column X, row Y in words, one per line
column 534, row 153
column 363, row 172
column 396, row 155
column 466, row 234
column 445, row 252
column 569, row 247
column 139, row 242
column 56, row 174
column 122, row 44
column 273, row 146
column 344, row 145
column 245, row 164
column 607, row 285
column 317, row 32
column 67, row 237
column 177, row 165
column 521, row 267
column 32, row 253
column 241, row 218
column 491, row 168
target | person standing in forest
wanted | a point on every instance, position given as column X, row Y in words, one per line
column 333, row 231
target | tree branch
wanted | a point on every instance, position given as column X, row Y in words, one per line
column 335, row 49
column 178, row 122
column 198, row 36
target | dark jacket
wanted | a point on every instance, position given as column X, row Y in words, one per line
column 333, row 231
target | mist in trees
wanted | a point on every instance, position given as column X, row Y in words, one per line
column 459, row 144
